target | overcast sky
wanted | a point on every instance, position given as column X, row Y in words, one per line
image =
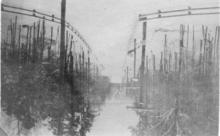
column 107, row 24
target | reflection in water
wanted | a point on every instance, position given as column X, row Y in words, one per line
column 33, row 103
column 115, row 118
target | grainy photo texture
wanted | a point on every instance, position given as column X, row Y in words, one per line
column 109, row 68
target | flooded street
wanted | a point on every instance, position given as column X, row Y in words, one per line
column 114, row 118
column 109, row 68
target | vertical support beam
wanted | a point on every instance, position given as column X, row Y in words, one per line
column 135, row 57
column 15, row 32
column 62, row 58
column 83, row 66
column 127, row 78
column 165, row 54
column 49, row 47
column 26, row 46
column 30, row 44
column 175, row 64
column 181, row 48
column 80, row 71
column 62, row 40
column 217, row 48
column 43, row 39
column 170, row 63
column 204, row 33
column 37, row 41
column 187, row 49
column 154, row 63
column 147, row 64
column 142, row 63
column 200, row 58
column 161, row 62
column 65, row 55
column 193, row 48
column 88, row 73
column 19, row 43
column 34, row 45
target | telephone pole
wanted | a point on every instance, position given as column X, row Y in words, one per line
column 62, row 59
column 134, row 58
column 62, row 40
column 142, row 62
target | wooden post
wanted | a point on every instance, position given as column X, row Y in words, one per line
column 80, row 71
column 154, row 63
column 165, row 54
column 147, row 64
column 62, row 58
column 193, row 48
column 134, row 58
column 26, row 46
column 170, row 62
column 29, row 48
column 217, row 48
column 142, row 63
column 12, row 38
column 19, row 43
column 49, row 47
column 161, row 62
column 34, row 45
column 37, row 41
column 176, row 63
column 62, row 40
column 15, row 32
column 65, row 55
column 88, row 73
column 83, row 66
column 43, row 40
column 204, row 33
column 181, row 48
column 127, row 78
column 200, row 59
column 187, row 47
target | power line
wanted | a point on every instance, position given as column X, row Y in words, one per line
column 189, row 10
column 179, row 10
column 179, row 15
column 41, row 15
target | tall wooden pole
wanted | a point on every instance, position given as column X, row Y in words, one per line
column 186, row 52
column 154, row 63
column 34, row 45
column 43, row 40
column 30, row 44
column 217, row 47
column 181, row 48
column 19, row 43
column 127, row 78
column 62, row 57
column 165, row 53
column 193, row 48
column 88, row 73
column 134, row 58
column 176, row 63
column 142, row 62
column 62, row 40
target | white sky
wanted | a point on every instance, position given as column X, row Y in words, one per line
column 107, row 24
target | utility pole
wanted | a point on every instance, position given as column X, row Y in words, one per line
column 127, row 78
column 88, row 73
column 165, row 54
column 142, row 63
column 193, row 48
column 62, row 39
column 135, row 58
column 62, row 58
